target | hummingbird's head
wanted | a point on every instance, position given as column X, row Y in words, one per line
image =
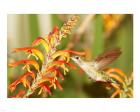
column 77, row 59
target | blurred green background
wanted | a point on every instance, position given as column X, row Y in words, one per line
column 93, row 34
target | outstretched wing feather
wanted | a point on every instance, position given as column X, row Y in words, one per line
column 106, row 58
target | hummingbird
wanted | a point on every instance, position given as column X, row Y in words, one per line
column 94, row 69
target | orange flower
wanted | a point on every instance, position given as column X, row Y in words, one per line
column 22, row 79
column 66, row 54
column 45, row 88
column 27, row 63
column 42, row 41
column 61, row 54
column 13, row 85
column 60, row 63
column 55, row 69
column 53, row 83
column 75, row 52
column 58, row 85
column 124, row 89
column 52, row 80
column 55, row 30
column 118, row 71
column 33, row 51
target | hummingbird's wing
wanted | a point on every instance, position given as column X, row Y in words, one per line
column 106, row 58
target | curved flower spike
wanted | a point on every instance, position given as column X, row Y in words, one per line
column 27, row 63
column 22, row 79
column 42, row 41
column 33, row 51
column 67, row 27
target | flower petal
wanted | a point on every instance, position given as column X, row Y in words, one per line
column 65, row 55
column 51, row 34
column 45, row 88
column 31, row 50
column 42, row 41
column 12, row 86
column 22, row 79
column 115, row 94
column 26, row 62
column 114, row 76
column 54, row 69
column 75, row 52
column 61, row 62
column 58, row 85
column 116, row 70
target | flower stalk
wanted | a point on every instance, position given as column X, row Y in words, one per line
column 47, row 75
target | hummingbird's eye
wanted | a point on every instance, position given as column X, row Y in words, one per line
column 77, row 57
